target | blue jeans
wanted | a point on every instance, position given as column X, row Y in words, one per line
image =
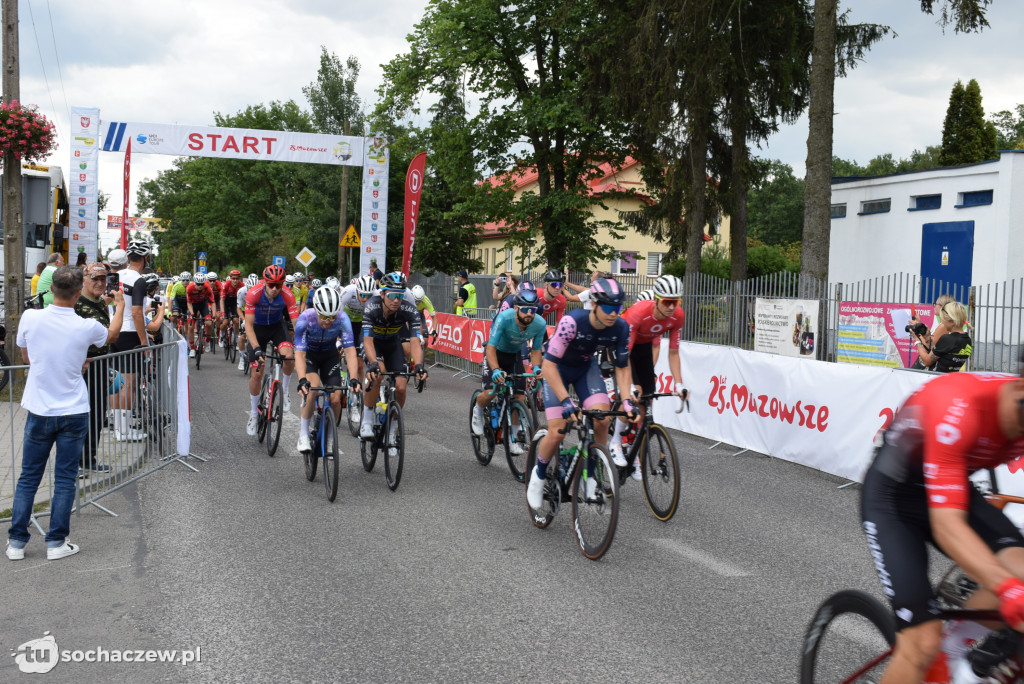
column 40, row 434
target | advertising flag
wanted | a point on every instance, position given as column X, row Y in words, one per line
column 127, row 187
column 413, row 190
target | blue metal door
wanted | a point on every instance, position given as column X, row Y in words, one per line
column 947, row 253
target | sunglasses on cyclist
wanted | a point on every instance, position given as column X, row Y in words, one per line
column 276, row 286
column 611, row 308
column 669, row 301
column 555, row 285
column 394, row 296
column 527, row 309
column 325, row 319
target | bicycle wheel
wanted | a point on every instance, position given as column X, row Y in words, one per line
column 368, row 453
column 311, row 457
column 517, row 415
column 200, row 344
column 275, row 417
column 595, row 501
column 849, row 639
column 394, row 446
column 483, row 445
column 261, row 408
column 329, row 440
column 225, row 344
column 355, row 415
column 552, row 496
column 660, row 472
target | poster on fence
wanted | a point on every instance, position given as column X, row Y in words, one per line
column 786, row 326
column 460, row 336
column 875, row 334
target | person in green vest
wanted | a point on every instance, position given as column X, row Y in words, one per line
column 46, row 278
column 467, row 294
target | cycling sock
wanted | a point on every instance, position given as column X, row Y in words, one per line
column 121, row 419
column 515, row 431
column 542, row 469
column 367, row 413
column 304, row 426
column 285, row 381
column 620, row 425
column 478, row 410
column 254, row 400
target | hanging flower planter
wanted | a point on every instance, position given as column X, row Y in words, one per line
column 25, row 132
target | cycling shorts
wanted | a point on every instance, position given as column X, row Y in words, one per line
column 263, row 334
column 325, row 364
column 896, row 522
column 126, row 363
column 179, row 305
column 390, row 354
column 202, row 308
column 641, row 360
column 508, row 362
column 586, row 380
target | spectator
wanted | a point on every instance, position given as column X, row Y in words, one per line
column 82, row 260
column 54, row 343
column 467, row 294
column 375, row 272
column 949, row 347
column 582, row 293
column 46, row 277
column 505, row 286
column 35, row 279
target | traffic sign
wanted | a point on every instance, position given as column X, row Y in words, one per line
column 202, row 269
column 278, row 261
column 305, row 257
column 202, row 256
column 351, row 238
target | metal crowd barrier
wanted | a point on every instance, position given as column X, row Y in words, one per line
column 133, row 427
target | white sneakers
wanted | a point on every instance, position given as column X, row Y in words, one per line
column 250, row 427
column 132, row 435
column 304, row 444
column 366, row 430
column 516, row 448
column 191, row 353
column 478, row 421
column 617, row 457
column 15, row 554
column 638, row 471
column 535, row 491
column 64, row 550
column 287, row 403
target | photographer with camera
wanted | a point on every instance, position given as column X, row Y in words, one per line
column 949, row 347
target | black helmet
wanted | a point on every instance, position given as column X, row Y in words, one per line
column 393, row 281
column 554, row 276
column 152, row 283
column 526, row 298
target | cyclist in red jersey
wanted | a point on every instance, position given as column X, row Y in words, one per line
column 200, row 299
column 552, row 301
column 229, row 301
column 916, row 492
column 216, row 288
column 648, row 321
column 268, row 306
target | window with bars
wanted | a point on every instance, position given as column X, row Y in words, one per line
column 654, row 263
column 838, row 210
column 875, row 206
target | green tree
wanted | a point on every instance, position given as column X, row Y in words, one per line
column 1009, row 128
column 776, row 204
column 966, row 136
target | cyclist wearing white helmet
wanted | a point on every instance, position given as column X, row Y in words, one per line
column 318, row 331
column 648, row 321
column 423, row 304
column 177, row 294
column 200, row 302
column 353, row 300
column 130, row 263
column 252, row 280
column 645, row 296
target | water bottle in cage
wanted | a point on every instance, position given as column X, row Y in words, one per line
column 380, row 410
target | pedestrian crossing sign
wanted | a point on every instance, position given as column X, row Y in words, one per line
column 351, row 238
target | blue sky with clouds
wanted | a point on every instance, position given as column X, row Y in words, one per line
column 179, row 61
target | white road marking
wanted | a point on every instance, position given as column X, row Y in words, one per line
column 695, row 555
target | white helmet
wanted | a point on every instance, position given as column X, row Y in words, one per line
column 366, row 286
column 327, row 301
column 417, row 293
column 315, row 283
column 211, row 276
column 332, row 282
column 175, row 279
column 644, row 296
column 668, row 286
column 252, row 281
column 289, row 280
column 199, row 278
column 186, row 276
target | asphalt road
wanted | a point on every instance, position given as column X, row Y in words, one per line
column 445, row 579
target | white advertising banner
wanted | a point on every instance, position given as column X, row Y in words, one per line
column 819, row 414
column 83, row 184
column 232, row 143
column 786, row 326
column 373, row 234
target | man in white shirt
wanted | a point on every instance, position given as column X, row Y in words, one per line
column 54, row 342
column 582, row 293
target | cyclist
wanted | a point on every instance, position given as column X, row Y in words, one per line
column 307, row 302
column 648, row 321
column 506, row 303
column 353, row 301
column 570, row 360
column 423, row 305
column 301, row 291
column 229, row 303
column 384, row 316
column 252, row 280
column 265, row 306
column 917, row 492
column 510, row 330
column 317, row 333
column 552, row 301
column 168, row 297
column 199, row 299
column 217, row 309
column 179, row 299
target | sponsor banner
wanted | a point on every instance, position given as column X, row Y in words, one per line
column 232, row 143
column 143, row 223
column 413, row 190
column 786, row 326
column 875, row 334
column 819, row 414
column 83, row 183
column 373, row 233
column 460, row 336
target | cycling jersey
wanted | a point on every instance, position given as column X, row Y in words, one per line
column 215, row 288
column 379, row 325
column 351, row 304
column 425, row 304
column 644, row 328
column 230, row 289
column 508, row 337
column 506, row 304
column 575, row 340
column 311, row 337
column 268, row 312
column 178, row 289
column 240, row 295
column 198, row 295
column 548, row 306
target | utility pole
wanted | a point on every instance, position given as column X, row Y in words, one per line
column 14, row 243
column 343, row 220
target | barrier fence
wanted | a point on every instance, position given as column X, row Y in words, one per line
column 139, row 424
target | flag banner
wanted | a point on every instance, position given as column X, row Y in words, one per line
column 83, row 184
column 373, row 233
column 413, row 190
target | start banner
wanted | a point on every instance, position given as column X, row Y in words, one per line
column 231, row 143
column 819, row 414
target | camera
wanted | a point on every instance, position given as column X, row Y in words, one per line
column 919, row 329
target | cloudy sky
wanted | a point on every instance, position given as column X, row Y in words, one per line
column 179, row 61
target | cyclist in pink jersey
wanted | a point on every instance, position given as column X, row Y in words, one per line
column 648, row 321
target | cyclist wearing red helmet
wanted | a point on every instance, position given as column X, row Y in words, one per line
column 265, row 307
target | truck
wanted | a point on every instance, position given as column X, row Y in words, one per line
column 45, row 213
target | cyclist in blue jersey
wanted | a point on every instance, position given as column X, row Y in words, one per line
column 317, row 332
column 384, row 317
column 265, row 308
column 510, row 330
column 570, row 360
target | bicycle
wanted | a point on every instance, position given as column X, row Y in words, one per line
column 270, row 408
column 229, row 340
column 501, row 414
column 200, row 324
column 323, row 436
column 388, row 431
column 585, row 475
column 650, row 443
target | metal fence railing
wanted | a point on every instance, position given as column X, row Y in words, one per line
column 719, row 311
column 133, row 428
